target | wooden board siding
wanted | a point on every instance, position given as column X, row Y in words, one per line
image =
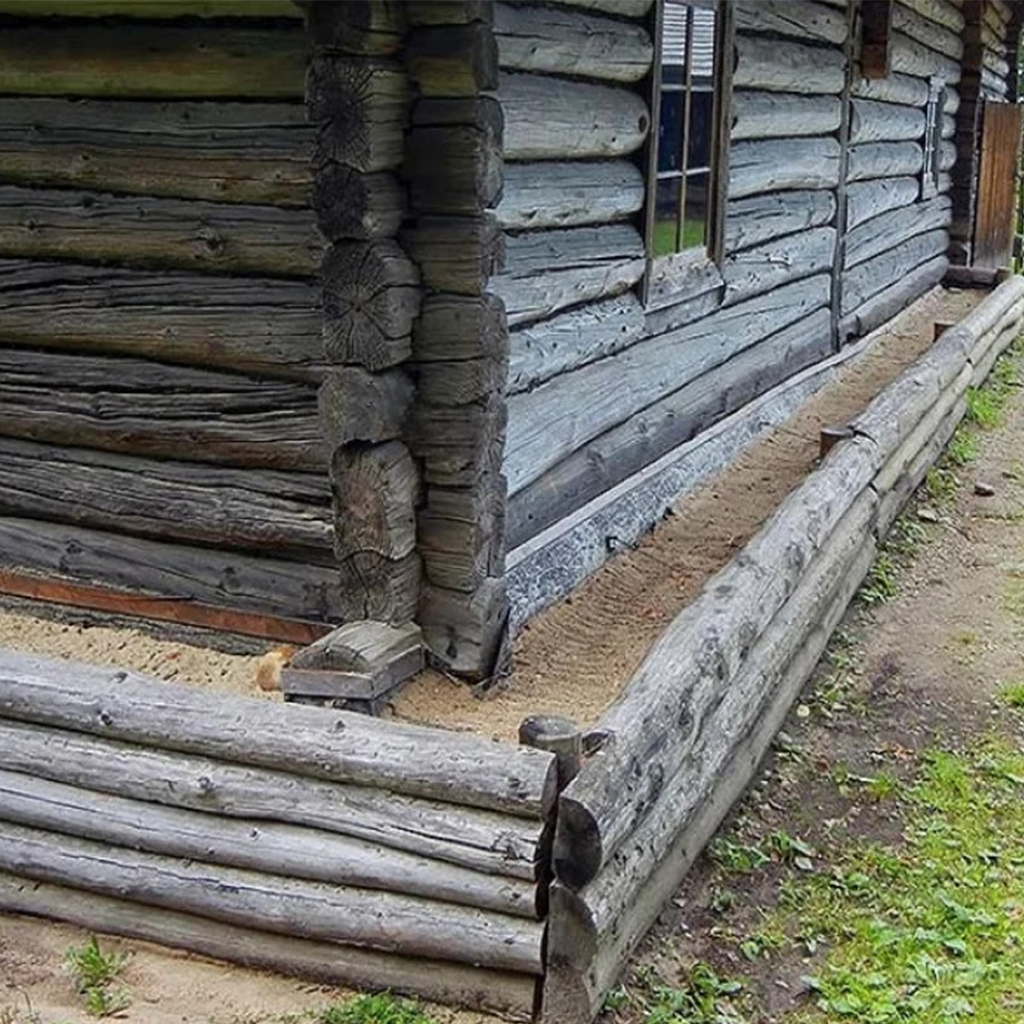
column 997, row 184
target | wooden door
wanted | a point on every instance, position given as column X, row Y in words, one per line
column 997, row 184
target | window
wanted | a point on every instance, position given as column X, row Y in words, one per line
column 933, row 138
column 686, row 159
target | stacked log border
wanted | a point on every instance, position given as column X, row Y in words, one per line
column 358, row 97
column 323, row 843
column 460, row 344
column 692, row 724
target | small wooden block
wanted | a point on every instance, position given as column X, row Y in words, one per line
column 366, row 647
column 311, row 682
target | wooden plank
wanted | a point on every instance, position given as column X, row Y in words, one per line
column 158, row 62
column 143, row 408
column 495, row 991
column 85, row 227
column 804, row 20
column 547, row 271
column 228, row 152
column 868, row 199
column 549, row 118
column 782, row 66
column 546, row 349
column 870, row 277
column 419, row 761
column 310, row 910
column 255, row 325
column 1000, row 146
column 780, row 164
column 265, row 510
column 761, row 218
column 561, row 194
column 886, row 231
column 885, row 160
column 480, row 841
column 269, row 847
column 556, row 41
column 763, row 115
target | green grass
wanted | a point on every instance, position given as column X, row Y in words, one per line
column 663, row 241
column 382, row 1008
column 703, row 998
column 94, row 973
column 1012, row 695
column 880, row 584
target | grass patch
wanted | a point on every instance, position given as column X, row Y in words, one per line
column 880, row 584
column 963, row 447
column 704, row 997
column 1012, row 695
column 381, row 1008
column 94, row 972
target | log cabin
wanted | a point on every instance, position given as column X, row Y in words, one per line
column 416, row 312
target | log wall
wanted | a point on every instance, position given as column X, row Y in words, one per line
column 160, row 324
column 331, row 845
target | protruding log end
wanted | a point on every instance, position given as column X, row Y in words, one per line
column 561, row 736
column 578, row 849
column 830, row 437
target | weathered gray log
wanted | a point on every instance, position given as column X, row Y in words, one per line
column 561, row 736
column 761, row 218
column 353, row 205
column 866, row 279
column 367, row 647
column 310, row 910
column 778, row 262
column 554, row 119
column 910, row 57
column 453, row 327
column 550, row 270
column 782, row 66
column 942, row 12
column 273, row 586
column 459, row 443
column 153, row 62
column 498, row 991
column 546, row 349
column 234, row 152
column 270, row 847
column 461, row 381
column 701, row 653
column 452, row 60
column 868, row 199
column 267, row 510
column 362, row 27
column 144, row 408
column 460, row 534
column 159, row 10
column 905, row 90
column 891, row 300
column 371, row 298
column 884, row 160
column 479, row 840
column 929, row 33
column 452, row 767
column 592, row 932
column 356, row 405
column 175, row 233
column 552, row 40
column 456, row 254
column 556, row 194
column 361, row 109
column 465, row 631
column 679, row 283
column 872, row 121
column 623, row 8
column 763, row 115
column 256, row 325
column 769, row 166
column 374, row 586
column 664, row 425
column 886, row 231
column 783, row 17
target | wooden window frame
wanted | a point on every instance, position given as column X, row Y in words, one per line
column 681, row 266
column 933, row 137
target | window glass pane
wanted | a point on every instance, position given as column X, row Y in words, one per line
column 666, row 217
column 702, row 106
column 673, row 43
column 696, row 214
column 670, row 131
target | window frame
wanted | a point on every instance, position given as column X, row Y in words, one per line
column 933, row 115
column 681, row 266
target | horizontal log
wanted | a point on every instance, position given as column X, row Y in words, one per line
column 894, row 299
column 902, row 89
column 458, row 444
column 269, row 511
column 868, row 278
column 909, row 57
column 154, row 10
column 868, row 199
column 255, row 325
column 452, row 60
column 557, row 194
column 310, row 910
column 761, row 218
column 886, row 231
column 162, row 570
column 143, row 408
column 763, row 115
column 772, row 264
column 85, row 227
column 546, row 271
column 269, row 847
column 884, row 160
column 546, row 349
column 805, row 20
column 334, row 745
column 699, row 656
column 924, row 30
column 478, row 840
column 666, row 363
column 779, row 164
column 557, row 41
column 158, row 62
column 555, row 119
column 500, row 992
column 623, row 8
column 456, row 327
column 227, row 152
column 783, row 66
column 942, row 12
column 872, row 121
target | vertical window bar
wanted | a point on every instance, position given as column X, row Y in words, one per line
column 684, row 135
